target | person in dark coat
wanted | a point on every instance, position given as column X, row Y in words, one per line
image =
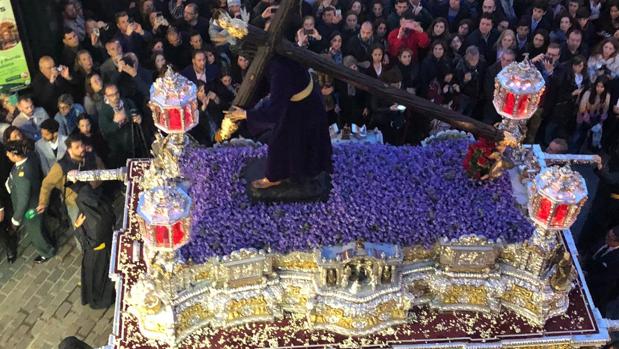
column 300, row 146
column 50, row 84
column 604, row 212
column 484, row 37
column 8, row 240
column 94, row 228
column 601, row 270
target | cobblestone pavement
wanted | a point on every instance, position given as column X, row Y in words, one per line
column 41, row 304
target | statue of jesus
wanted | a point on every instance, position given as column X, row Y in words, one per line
column 300, row 145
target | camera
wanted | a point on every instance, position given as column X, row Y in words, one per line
column 58, row 68
column 308, row 31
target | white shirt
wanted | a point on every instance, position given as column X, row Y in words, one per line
column 578, row 80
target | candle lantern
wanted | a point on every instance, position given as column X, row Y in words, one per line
column 556, row 197
column 517, row 91
column 165, row 217
column 174, row 104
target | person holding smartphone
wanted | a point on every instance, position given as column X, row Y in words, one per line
column 409, row 35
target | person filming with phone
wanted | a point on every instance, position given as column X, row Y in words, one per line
column 409, row 35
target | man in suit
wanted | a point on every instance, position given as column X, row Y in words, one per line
column 490, row 116
column 24, row 184
column 50, row 147
column 484, row 37
column 29, row 118
column 601, row 270
column 196, row 71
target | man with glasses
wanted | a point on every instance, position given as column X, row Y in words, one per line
column 119, row 122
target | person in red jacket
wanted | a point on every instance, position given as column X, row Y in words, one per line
column 408, row 35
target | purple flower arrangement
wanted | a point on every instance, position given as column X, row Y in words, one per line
column 403, row 195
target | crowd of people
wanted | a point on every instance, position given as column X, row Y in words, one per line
column 87, row 107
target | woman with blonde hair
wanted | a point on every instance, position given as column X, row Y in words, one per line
column 507, row 40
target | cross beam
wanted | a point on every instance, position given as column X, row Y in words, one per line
column 268, row 42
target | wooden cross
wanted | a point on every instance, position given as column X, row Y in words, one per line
column 272, row 41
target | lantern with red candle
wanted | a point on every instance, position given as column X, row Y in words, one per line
column 556, row 197
column 517, row 92
column 165, row 217
column 174, row 104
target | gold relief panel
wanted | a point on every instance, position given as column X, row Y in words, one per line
column 465, row 294
column 418, row 253
column 522, row 297
column 244, row 308
column 387, row 312
column 296, row 261
column 191, row 316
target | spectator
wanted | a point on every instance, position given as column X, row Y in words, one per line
column 484, row 37
column 573, row 46
column 67, row 114
column 560, row 33
column 351, row 26
column 335, row 48
column 400, row 9
column 604, row 60
column 454, row 11
column 352, row 100
column 71, row 45
column 29, row 118
column 557, row 146
column 9, row 109
column 387, row 116
column 469, row 74
column 600, row 270
column 109, row 68
column 456, row 49
column 561, row 97
column 359, row 46
column 381, row 32
column 593, row 110
column 84, row 65
column 91, row 137
column 94, row 95
column 378, row 11
column 119, row 122
column 538, row 44
column 358, row 9
column 328, row 22
column 197, row 70
column 50, row 147
column 308, row 36
column 573, row 6
column 134, row 81
column 490, row 115
column 51, row 82
column 420, row 13
column 75, row 158
column 609, row 20
column 439, row 29
column 522, row 36
column 433, row 67
column 176, row 49
column 464, row 27
column 192, row 20
column 213, row 66
column 507, row 40
column 195, row 40
column 72, row 19
column 130, row 35
column 378, row 64
column 160, row 64
column 489, row 7
column 158, row 23
column 408, row 69
column 537, row 19
column 240, row 68
column 585, row 25
column 408, row 35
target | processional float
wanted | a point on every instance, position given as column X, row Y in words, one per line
column 359, row 288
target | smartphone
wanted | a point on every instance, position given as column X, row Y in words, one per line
column 308, row 31
column 96, row 31
column 131, row 20
column 400, row 107
column 338, row 13
column 273, row 10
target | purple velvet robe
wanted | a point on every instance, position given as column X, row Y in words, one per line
column 300, row 146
